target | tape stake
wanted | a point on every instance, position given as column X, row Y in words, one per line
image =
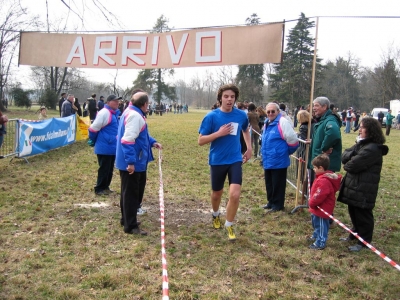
column 165, row 288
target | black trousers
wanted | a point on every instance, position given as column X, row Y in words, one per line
column 275, row 184
column 105, row 172
column 388, row 129
column 132, row 191
column 363, row 222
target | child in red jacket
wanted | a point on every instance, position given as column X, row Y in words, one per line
column 322, row 194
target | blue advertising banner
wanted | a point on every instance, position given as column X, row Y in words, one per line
column 40, row 137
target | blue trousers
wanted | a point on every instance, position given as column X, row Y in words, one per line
column 321, row 228
column 348, row 126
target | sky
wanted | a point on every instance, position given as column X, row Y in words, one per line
column 367, row 39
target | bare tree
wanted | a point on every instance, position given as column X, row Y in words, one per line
column 196, row 85
column 95, row 7
column 13, row 19
column 210, row 89
column 225, row 75
column 181, row 90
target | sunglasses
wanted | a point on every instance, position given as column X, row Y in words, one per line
column 270, row 112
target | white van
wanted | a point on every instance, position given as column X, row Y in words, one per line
column 375, row 112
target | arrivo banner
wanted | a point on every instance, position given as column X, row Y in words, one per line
column 215, row 46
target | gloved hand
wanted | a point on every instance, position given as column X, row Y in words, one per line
column 90, row 143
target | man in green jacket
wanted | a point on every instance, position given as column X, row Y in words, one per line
column 326, row 137
column 389, row 121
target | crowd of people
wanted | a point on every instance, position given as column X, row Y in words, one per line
column 236, row 131
column 226, row 123
column 166, row 108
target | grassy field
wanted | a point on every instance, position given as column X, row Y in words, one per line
column 60, row 241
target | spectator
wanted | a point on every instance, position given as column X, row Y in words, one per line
column 279, row 140
column 241, row 106
column 3, row 127
column 133, row 154
column 221, row 127
column 262, row 116
column 61, row 101
column 78, row 106
column 100, row 103
column 322, row 195
column 126, row 105
column 381, row 115
column 42, row 113
column 357, row 121
column 103, row 134
column 343, row 114
column 303, row 118
column 389, row 121
column 215, row 105
column 326, row 137
column 91, row 107
column 121, row 106
column 398, row 120
column 255, row 132
column 348, row 119
column 363, row 164
column 362, row 116
column 66, row 108
column 334, row 109
column 282, row 109
column 353, row 119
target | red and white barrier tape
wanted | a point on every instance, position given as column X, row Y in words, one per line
column 376, row 251
column 255, row 131
column 165, row 289
column 394, row 264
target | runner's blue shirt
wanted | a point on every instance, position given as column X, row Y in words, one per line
column 224, row 150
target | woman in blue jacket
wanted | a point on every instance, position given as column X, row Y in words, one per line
column 279, row 140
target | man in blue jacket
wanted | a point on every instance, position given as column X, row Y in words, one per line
column 100, row 103
column 133, row 154
column 103, row 133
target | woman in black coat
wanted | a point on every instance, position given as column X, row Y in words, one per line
column 363, row 164
column 78, row 106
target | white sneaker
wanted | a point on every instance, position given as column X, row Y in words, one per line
column 141, row 211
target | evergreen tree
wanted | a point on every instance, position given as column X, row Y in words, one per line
column 341, row 82
column 149, row 78
column 145, row 80
column 291, row 80
column 250, row 78
column 21, row 97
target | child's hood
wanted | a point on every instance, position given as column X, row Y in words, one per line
column 334, row 179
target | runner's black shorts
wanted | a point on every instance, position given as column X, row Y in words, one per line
column 219, row 172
